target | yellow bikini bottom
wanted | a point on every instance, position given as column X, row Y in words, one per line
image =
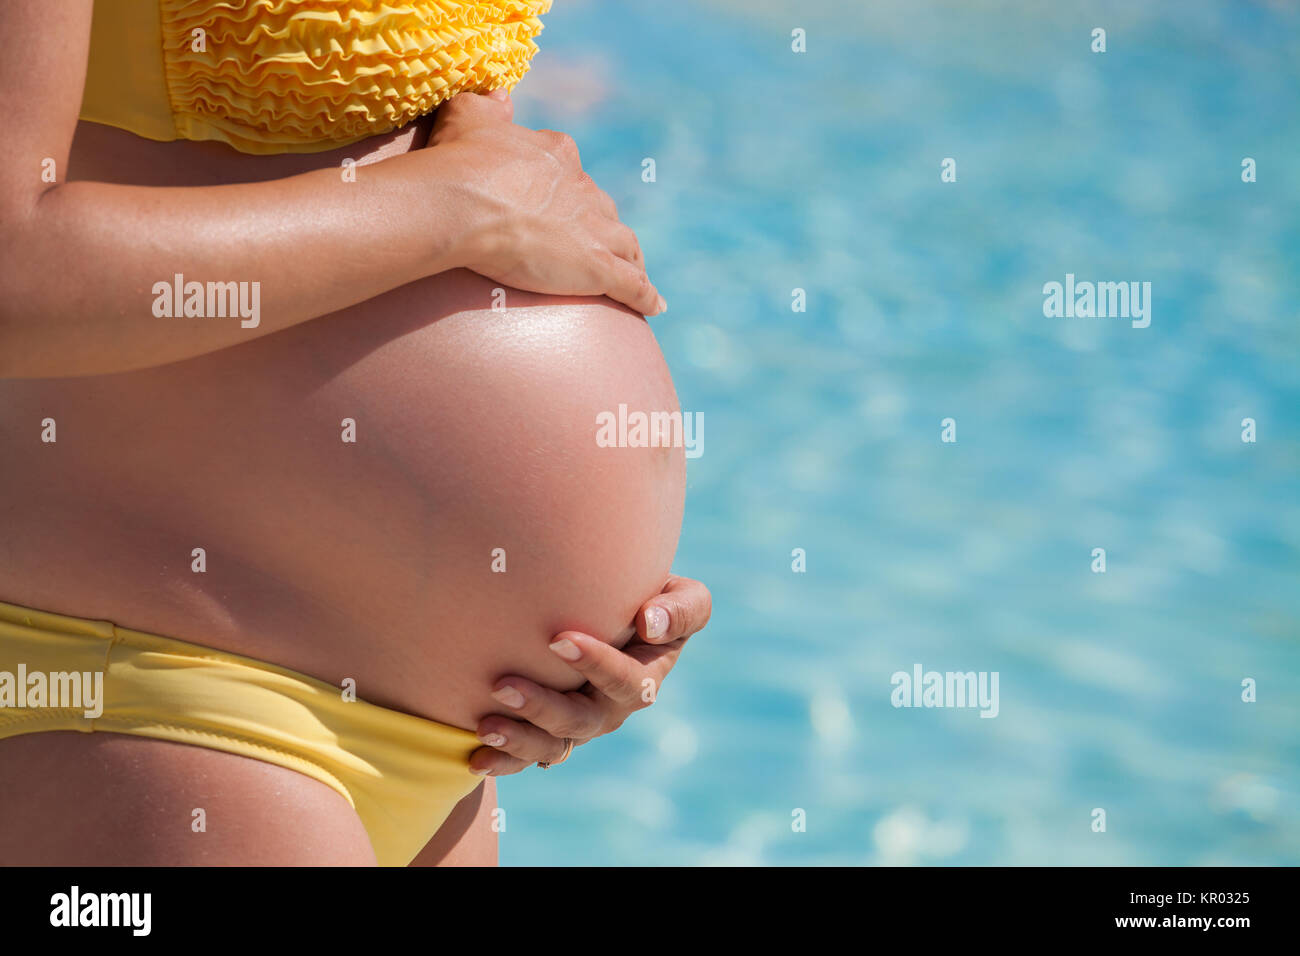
column 402, row 774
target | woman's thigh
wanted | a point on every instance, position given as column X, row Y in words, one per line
column 72, row 799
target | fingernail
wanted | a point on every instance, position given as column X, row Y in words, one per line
column 493, row 740
column 509, row 696
column 656, row 622
column 480, row 773
column 663, row 306
column 566, row 649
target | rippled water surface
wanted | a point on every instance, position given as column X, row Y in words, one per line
column 820, row 171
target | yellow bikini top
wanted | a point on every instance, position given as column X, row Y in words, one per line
column 296, row 76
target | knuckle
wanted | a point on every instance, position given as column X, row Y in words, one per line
column 699, row 612
column 684, row 617
column 561, row 143
column 589, row 726
column 615, row 268
column 568, row 726
column 527, row 747
column 461, row 104
column 690, row 624
column 607, row 266
column 679, row 618
column 626, row 691
column 630, row 689
column 586, row 723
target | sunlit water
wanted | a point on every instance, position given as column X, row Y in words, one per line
column 820, row 171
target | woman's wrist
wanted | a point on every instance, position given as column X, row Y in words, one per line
column 462, row 232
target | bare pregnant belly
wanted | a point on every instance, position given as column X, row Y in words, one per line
column 409, row 493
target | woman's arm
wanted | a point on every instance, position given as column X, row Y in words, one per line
column 78, row 261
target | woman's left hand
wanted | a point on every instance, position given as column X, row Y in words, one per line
column 618, row 683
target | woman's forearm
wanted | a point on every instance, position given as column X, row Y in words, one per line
column 86, row 268
column 90, row 275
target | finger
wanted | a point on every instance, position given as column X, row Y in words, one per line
column 623, row 243
column 613, row 673
column 630, row 285
column 560, row 715
column 681, row 609
column 520, row 740
column 502, row 96
column 488, row 761
column 561, row 145
column 604, row 201
column 483, row 107
column 658, row 659
column 473, row 109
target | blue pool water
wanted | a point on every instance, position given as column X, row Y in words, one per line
column 821, row 171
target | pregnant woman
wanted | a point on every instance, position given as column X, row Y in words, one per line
column 299, row 480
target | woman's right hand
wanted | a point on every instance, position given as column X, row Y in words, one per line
column 535, row 220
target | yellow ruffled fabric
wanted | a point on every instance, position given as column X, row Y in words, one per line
column 271, row 76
